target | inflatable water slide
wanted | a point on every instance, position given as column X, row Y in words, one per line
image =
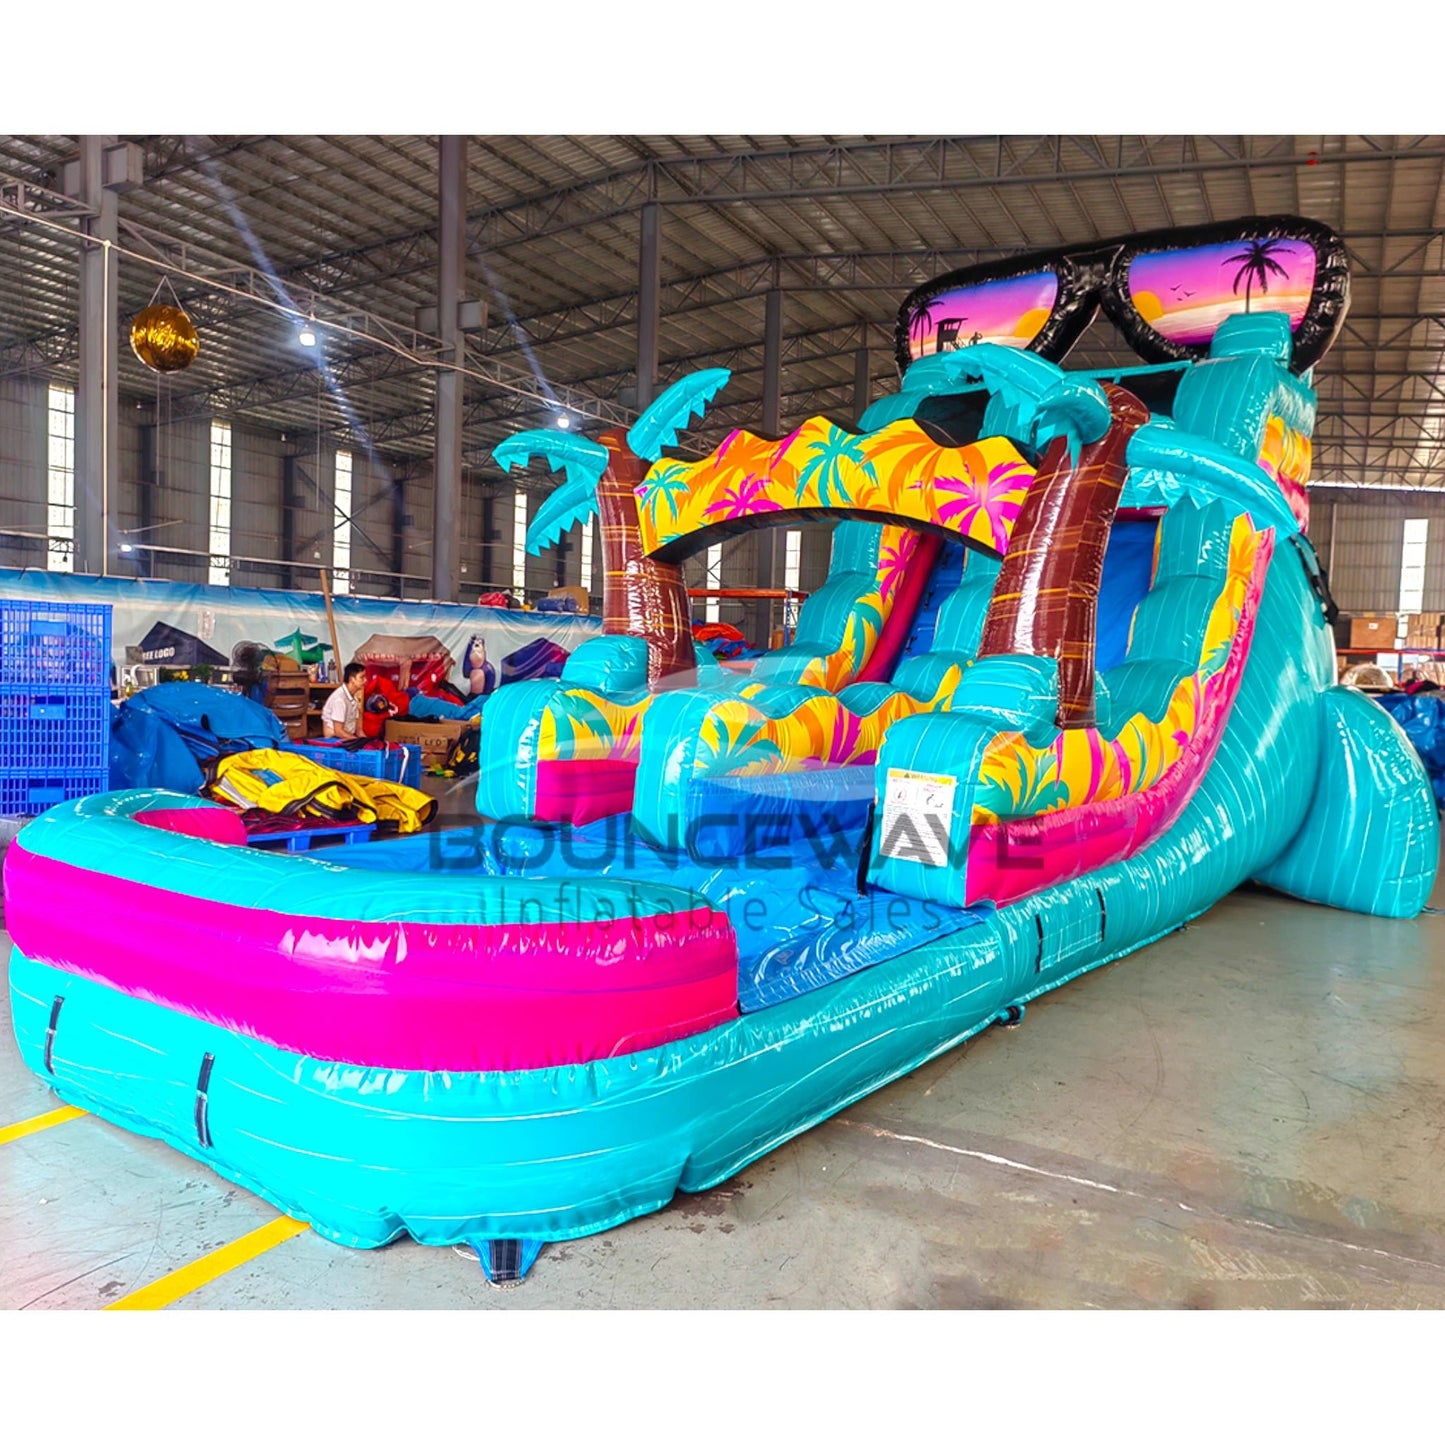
column 1071, row 681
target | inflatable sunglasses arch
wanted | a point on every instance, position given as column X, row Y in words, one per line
column 1166, row 291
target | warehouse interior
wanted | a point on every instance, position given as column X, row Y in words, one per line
column 1243, row 1113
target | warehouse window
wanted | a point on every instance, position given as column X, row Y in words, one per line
column 519, row 542
column 220, row 569
column 1412, row 585
column 712, row 578
column 60, row 481
column 341, row 541
column 792, row 575
column 1412, row 565
column 586, row 579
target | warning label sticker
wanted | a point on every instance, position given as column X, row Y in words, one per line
column 917, row 811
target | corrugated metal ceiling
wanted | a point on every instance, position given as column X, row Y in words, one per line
column 843, row 225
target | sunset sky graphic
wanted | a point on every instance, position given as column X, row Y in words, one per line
column 1008, row 313
column 1184, row 295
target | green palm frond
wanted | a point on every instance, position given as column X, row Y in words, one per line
column 576, row 499
column 659, row 425
column 1046, row 399
column 571, row 503
column 578, row 455
column 1041, row 395
column 1075, row 409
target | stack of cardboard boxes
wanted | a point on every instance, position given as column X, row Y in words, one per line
column 1423, row 630
column 435, row 738
column 1380, row 632
column 1368, row 632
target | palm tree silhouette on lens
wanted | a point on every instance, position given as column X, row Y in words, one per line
column 919, row 327
column 1256, row 263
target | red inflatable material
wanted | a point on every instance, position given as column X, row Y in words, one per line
column 896, row 626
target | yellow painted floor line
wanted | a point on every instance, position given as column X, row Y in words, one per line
column 12, row 1132
column 190, row 1277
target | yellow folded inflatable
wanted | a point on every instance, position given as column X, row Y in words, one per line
column 287, row 783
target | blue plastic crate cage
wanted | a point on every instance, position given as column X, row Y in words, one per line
column 53, row 645
column 26, row 792
column 59, row 732
column 396, row 763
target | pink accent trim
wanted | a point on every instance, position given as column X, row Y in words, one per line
column 433, row 996
column 581, row 790
column 1012, row 859
column 1298, row 499
column 906, row 600
column 217, row 825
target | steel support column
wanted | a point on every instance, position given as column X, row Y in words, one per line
column 649, row 301
column 292, row 501
column 151, row 481
column 399, row 520
column 861, row 386
column 770, row 544
column 447, row 449
column 773, row 362
column 97, row 414
column 488, row 579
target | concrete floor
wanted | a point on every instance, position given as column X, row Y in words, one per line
column 1249, row 1113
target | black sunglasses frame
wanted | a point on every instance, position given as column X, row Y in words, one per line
column 1097, row 275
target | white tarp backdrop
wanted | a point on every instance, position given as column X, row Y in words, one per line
column 222, row 617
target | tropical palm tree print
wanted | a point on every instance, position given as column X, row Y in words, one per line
column 744, row 499
column 1256, row 264
column 996, row 499
column 918, row 328
column 823, row 465
column 666, row 482
column 893, row 559
column 832, row 466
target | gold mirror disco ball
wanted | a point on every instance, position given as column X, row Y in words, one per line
column 164, row 339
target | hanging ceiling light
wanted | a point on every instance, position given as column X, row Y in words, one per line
column 307, row 335
column 563, row 420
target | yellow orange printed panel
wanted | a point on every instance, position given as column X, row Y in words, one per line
column 581, row 723
column 974, row 490
column 1083, row 766
column 1286, row 454
column 739, row 740
column 866, row 615
column 835, row 669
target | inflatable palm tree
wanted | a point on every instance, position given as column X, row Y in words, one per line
column 640, row 597
column 1044, row 602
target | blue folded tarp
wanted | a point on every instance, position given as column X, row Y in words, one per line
column 1422, row 716
column 429, row 709
column 163, row 736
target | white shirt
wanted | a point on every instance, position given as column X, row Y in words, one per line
column 341, row 709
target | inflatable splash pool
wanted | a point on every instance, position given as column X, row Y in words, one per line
column 1069, row 682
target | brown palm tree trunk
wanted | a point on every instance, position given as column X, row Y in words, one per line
column 640, row 597
column 1045, row 602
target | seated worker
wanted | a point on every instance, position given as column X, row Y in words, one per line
column 341, row 716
